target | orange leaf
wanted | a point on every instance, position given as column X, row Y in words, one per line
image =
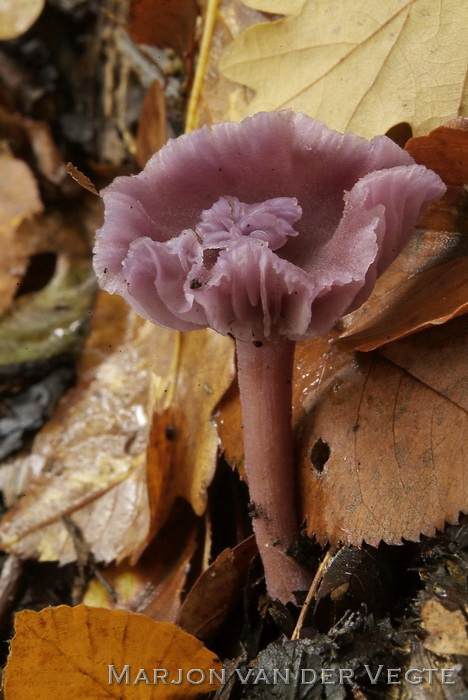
column 170, row 23
column 86, row 650
column 151, row 135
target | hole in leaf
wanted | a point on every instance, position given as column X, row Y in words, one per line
column 320, row 455
column 40, row 271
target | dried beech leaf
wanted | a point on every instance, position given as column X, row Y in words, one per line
column 446, row 628
column 170, row 23
column 358, row 65
column 381, row 454
column 409, row 304
column 77, row 645
column 437, row 357
column 17, row 16
column 151, row 134
column 215, row 592
column 19, row 200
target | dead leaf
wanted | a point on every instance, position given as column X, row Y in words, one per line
column 184, row 442
column 79, row 645
column 151, row 134
column 381, row 453
column 154, row 585
column 170, row 23
column 99, row 451
column 93, row 450
column 212, row 92
column 17, row 16
column 402, row 305
column 216, row 591
column 428, row 283
column 447, row 629
column 81, row 179
column 20, row 199
column 444, row 150
column 48, row 319
column 437, row 358
column 359, row 66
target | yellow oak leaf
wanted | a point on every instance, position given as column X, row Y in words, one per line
column 358, row 65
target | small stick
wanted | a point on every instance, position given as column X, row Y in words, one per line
column 323, row 566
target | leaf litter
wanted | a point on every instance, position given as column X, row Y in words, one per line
column 347, row 622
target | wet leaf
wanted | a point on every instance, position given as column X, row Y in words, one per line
column 359, row 66
column 84, row 453
column 446, row 628
column 170, row 23
column 101, row 450
column 48, row 322
column 17, row 16
column 215, row 592
column 77, row 645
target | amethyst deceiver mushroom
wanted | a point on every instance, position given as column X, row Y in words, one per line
column 268, row 230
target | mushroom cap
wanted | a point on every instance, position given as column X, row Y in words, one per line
column 273, row 227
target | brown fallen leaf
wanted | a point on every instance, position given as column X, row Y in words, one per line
column 97, row 451
column 19, row 200
column 437, row 358
column 216, row 591
column 89, row 649
column 381, row 454
column 168, row 24
column 17, row 16
column 447, row 629
column 154, row 585
column 184, row 442
column 444, row 150
column 428, row 283
column 35, row 138
column 359, row 66
column 151, row 134
column 402, row 305
column 81, row 179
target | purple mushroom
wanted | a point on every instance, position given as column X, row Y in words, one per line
column 269, row 230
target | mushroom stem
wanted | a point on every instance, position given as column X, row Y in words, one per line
column 265, row 383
